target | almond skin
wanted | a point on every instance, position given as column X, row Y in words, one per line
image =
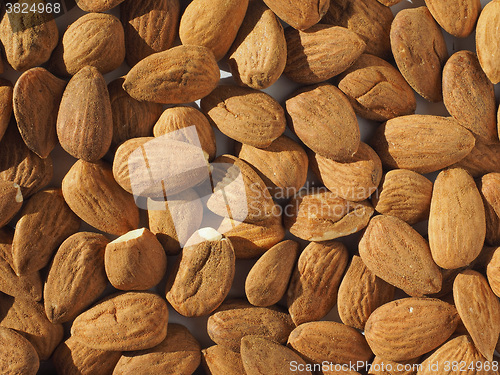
column 18, row 356
column 124, row 321
column 85, row 120
column 457, row 225
column 396, row 253
column 253, row 63
column 11, row 201
column 320, row 53
column 462, row 22
column 490, row 193
column 218, row 359
column 36, row 99
column 246, row 115
column 488, row 41
column 181, row 74
column 493, row 272
column 420, row 51
column 94, row 39
column 6, row 91
column 407, row 328
column 87, row 188
column 150, row 26
column 212, row 24
column 479, row 310
column 300, row 15
column 76, row 276
column 483, row 159
column 322, row 117
column 422, row 143
column 97, row 5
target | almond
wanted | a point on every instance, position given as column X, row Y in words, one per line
column 94, row 39
column 93, row 194
column 369, row 19
column 203, row 274
column 18, row 356
column 299, row 14
column 282, row 165
column 377, row 90
column 237, row 319
column 150, row 27
column 488, row 41
column 360, row 293
column 457, row 225
column 479, row 310
column 469, row 95
column 131, row 118
column 97, row 5
column 315, row 281
column 268, row 279
column 493, row 272
column 396, row 253
column 46, row 221
column 28, row 37
column 253, row 63
column 490, row 193
column 179, row 353
column 36, row 99
column 405, row 195
column 11, row 201
column 321, row 215
column 85, row 120
column 322, row 117
column 462, row 22
column 76, row 276
column 420, row 51
column 6, row 91
column 124, row 321
column 135, row 261
column 73, row 358
column 37, row 329
column 246, row 115
column 483, row 158
column 320, row 52
column 212, row 24
column 355, row 179
column 407, row 328
column 422, row 143
column 218, row 360
column 332, row 342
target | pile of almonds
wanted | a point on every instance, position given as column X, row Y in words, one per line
column 410, row 261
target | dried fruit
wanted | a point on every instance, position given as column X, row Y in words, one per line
column 218, row 359
column 463, row 20
column 11, row 201
column 488, row 41
column 6, row 91
column 299, row 14
column 490, row 192
column 18, row 356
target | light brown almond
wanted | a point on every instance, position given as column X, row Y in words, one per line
column 97, row 5
column 18, row 356
column 11, row 201
column 488, row 41
column 463, row 20
column 483, row 158
column 490, row 192
column 6, row 91
column 493, row 271
column 299, row 14
column 218, row 360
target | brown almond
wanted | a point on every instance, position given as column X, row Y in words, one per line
column 150, row 27
column 479, row 310
column 421, row 143
column 73, row 358
column 469, row 96
column 420, row 51
column 246, row 115
column 165, row 78
column 253, row 63
column 490, row 192
column 483, row 159
column 360, row 293
column 94, row 39
column 36, row 99
column 18, row 356
column 87, row 188
column 212, row 24
column 377, row 90
column 315, row 281
column 179, row 353
column 488, row 41
column 135, row 261
column 405, row 195
column 11, row 201
column 329, row 341
column 463, row 20
column 268, row 279
column 320, row 52
column 321, row 215
column 203, row 274
column 457, row 224
column 29, row 37
column 322, row 117
column 37, row 329
column 124, row 321
column 46, row 221
column 97, row 5
column 355, row 179
column 85, row 120
column 300, row 15
column 407, row 328
column 218, row 360
column 6, row 91
column 493, row 272
column 236, row 319
column 76, row 276
column 396, row 253
column 369, row 19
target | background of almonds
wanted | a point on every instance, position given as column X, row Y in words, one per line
column 328, row 273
